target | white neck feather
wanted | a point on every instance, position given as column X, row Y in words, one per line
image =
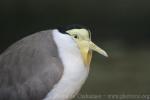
column 75, row 72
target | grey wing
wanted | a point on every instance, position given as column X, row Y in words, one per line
column 30, row 68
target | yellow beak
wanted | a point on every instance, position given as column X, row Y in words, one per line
column 94, row 47
column 86, row 48
column 85, row 44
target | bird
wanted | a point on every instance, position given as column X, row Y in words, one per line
column 52, row 64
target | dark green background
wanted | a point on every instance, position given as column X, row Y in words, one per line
column 121, row 27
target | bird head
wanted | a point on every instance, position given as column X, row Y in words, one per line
column 82, row 36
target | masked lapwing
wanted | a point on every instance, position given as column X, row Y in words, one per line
column 47, row 65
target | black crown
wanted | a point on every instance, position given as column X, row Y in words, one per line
column 63, row 29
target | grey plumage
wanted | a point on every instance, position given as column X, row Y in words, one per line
column 30, row 68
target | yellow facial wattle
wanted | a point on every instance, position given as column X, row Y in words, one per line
column 86, row 46
column 85, row 50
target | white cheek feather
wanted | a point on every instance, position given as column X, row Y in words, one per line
column 75, row 72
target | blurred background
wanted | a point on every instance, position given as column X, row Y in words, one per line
column 121, row 27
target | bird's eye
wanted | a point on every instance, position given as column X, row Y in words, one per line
column 75, row 36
